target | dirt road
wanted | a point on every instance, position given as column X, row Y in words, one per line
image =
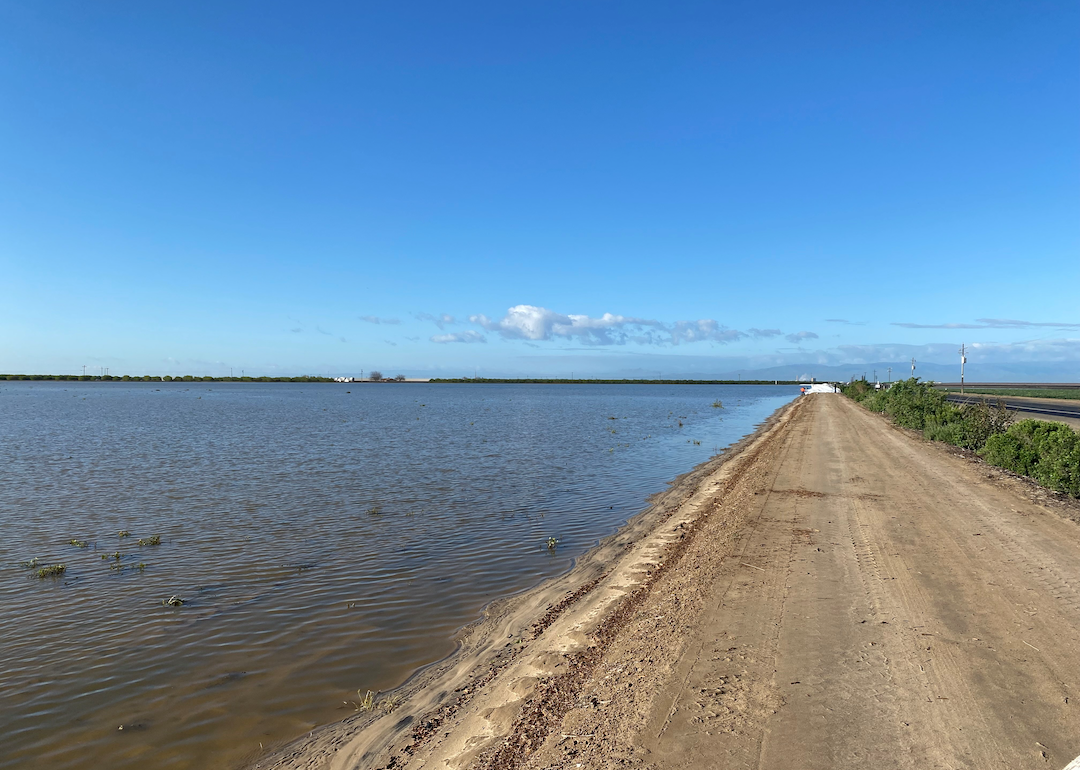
column 840, row 595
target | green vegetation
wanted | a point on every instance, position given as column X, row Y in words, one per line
column 1047, row 452
column 375, row 510
column 78, row 543
column 153, row 540
column 1073, row 394
column 717, row 404
column 123, row 533
column 174, row 601
column 55, row 570
column 543, row 381
column 552, row 543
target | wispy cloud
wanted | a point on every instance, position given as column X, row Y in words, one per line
column 763, row 333
column 468, row 336
column 442, row 320
column 1006, row 323
column 391, row 343
column 845, row 321
column 374, row 319
column 993, row 323
column 321, row 330
column 799, row 337
column 939, row 326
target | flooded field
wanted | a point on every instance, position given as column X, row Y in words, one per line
column 323, row 540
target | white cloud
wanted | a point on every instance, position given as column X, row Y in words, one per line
column 529, row 322
column 705, row 330
column 374, row 319
column 469, row 336
column 763, row 333
column 799, row 337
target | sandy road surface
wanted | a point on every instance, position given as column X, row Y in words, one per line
column 840, row 594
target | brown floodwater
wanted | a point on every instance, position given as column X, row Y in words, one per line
column 324, row 539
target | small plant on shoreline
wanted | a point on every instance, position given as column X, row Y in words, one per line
column 370, row 701
column 153, row 540
column 55, row 570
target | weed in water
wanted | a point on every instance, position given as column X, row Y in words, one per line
column 173, row 601
column 717, row 405
column 140, row 566
column 552, row 542
column 32, row 563
column 114, row 555
column 55, row 570
column 697, row 443
column 123, row 533
column 153, row 540
column 375, row 510
column 78, row 543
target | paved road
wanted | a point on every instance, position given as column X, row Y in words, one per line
column 1058, row 410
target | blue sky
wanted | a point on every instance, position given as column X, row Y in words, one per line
column 537, row 188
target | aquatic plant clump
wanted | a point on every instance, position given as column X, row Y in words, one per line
column 55, row 570
column 123, row 533
column 78, row 543
column 552, row 543
column 153, row 540
column 174, row 601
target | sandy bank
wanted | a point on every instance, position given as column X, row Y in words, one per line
column 451, row 713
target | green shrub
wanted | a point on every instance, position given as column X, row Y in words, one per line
column 1048, row 452
column 949, row 432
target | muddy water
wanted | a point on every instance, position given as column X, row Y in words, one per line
column 325, row 539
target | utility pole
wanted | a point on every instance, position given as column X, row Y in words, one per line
column 913, row 368
column 963, row 360
column 890, row 375
column 84, row 370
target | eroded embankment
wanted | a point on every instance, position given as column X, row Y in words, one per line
column 519, row 671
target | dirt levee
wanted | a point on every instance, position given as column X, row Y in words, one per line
column 838, row 594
